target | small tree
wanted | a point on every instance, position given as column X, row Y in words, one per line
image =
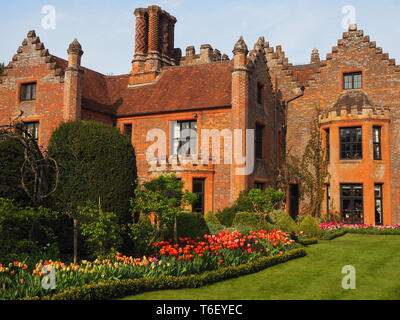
column 314, row 169
column 100, row 228
column 164, row 198
column 2, row 67
column 259, row 201
column 96, row 162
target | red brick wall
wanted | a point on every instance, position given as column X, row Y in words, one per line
column 381, row 83
column 32, row 63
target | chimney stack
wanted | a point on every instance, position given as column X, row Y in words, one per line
column 315, row 59
column 154, row 44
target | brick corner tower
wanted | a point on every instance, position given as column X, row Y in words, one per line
column 73, row 83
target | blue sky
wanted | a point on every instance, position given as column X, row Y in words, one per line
column 106, row 28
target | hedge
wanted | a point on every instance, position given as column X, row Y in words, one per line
column 334, row 235
column 307, row 242
column 122, row 288
column 376, row 232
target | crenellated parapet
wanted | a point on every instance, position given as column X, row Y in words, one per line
column 354, row 105
column 207, row 55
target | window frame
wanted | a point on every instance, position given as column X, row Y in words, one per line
column 352, row 198
column 260, row 185
column 353, row 81
column 23, row 94
column 328, row 144
column 35, row 125
column 128, row 133
column 377, row 144
column 202, row 195
column 376, row 199
column 259, row 141
column 177, row 142
column 260, row 93
column 352, row 143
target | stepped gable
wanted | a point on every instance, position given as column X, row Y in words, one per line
column 283, row 77
column 355, row 37
column 32, row 46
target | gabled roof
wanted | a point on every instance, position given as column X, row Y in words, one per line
column 178, row 88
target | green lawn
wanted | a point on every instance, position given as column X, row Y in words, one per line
column 317, row 276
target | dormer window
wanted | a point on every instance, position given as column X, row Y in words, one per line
column 352, row 80
column 28, row 91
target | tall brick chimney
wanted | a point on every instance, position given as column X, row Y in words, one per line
column 73, row 83
column 154, row 44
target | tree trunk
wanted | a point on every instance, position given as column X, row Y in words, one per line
column 75, row 241
column 175, row 230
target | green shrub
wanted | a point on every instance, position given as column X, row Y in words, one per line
column 275, row 215
column 191, row 225
column 307, row 242
column 142, row 235
column 334, row 235
column 310, row 227
column 122, row 288
column 227, row 216
column 287, row 224
column 96, row 162
column 100, row 229
column 256, row 221
column 11, row 161
column 215, row 229
column 211, row 218
column 257, row 200
column 25, row 232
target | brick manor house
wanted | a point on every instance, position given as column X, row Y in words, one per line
column 357, row 87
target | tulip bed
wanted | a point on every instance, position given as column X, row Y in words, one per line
column 188, row 257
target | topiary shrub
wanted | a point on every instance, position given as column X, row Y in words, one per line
column 191, row 225
column 287, row 224
column 311, row 228
column 211, row 218
column 275, row 215
column 96, row 162
column 254, row 220
column 227, row 216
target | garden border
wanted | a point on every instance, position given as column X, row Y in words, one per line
column 122, row 288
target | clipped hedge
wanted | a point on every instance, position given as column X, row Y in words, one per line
column 191, row 225
column 122, row 288
column 334, row 235
column 308, row 242
column 375, row 232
